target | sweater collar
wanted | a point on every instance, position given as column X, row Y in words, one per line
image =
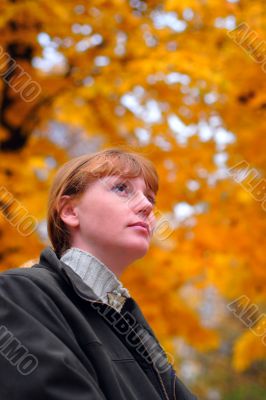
column 50, row 261
column 94, row 273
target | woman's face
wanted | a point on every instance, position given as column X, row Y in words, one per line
column 109, row 216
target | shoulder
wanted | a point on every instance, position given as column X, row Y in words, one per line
column 33, row 296
column 26, row 282
column 37, row 274
column 46, row 270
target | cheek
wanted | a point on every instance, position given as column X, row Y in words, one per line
column 102, row 218
column 152, row 220
column 104, row 213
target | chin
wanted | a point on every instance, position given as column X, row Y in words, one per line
column 139, row 250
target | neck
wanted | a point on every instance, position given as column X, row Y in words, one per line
column 103, row 282
column 114, row 260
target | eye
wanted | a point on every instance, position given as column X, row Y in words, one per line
column 120, row 187
column 151, row 200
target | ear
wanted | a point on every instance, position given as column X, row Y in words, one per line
column 68, row 212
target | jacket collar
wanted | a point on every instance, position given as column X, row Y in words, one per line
column 49, row 260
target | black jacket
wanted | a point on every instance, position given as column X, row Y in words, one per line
column 58, row 342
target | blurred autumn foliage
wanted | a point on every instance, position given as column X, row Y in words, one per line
column 165, row 78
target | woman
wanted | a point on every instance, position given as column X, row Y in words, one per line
column 69, row 330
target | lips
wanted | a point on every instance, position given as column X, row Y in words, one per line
column 142, row 224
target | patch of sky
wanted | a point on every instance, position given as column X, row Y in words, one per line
column 42, row 231
column 138, row 5
column 206, row 131
column 162, row 143
column 202, row 172
column 176, row 77
column 193, row 185
column 201, row 207
column 81, row 144
column 188, row 14
column 190, row 370
column 88, row 81
column 42, row 173
column 101, row 61
column 215, row 121
column 67, row 42
column 149, row 112
column 79, row 9
column 213, row 129
column 211, row 303
column 121, row 39
column 171, row 170
column 50, row 162
column 120, row 111
column 150, row 39
column 228, row 22
column 183, row 349
column 153, row 78
column 81, row 29
column 194, row 91
column 89, row 42
column 184, row 213
column 220, row 159
column 163, row 19
column 191, row 94
column 95, row 12
column 170, row 79
column 210, row 98
column 169, row 164
column 45, row 40
column 172, row 45
column 223, row 138
column 51, row 58
column 74, row 140
column 58, row 134
column 182, row 131
column 185, row 111
column 143, row 136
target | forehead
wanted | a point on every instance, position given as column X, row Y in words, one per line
column 124, row 167
column 137, row 182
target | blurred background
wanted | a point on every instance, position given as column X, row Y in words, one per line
column 184, row 83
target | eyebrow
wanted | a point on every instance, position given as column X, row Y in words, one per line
column 117, row 178
column 151, row 194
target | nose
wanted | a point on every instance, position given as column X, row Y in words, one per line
column 141, row 205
